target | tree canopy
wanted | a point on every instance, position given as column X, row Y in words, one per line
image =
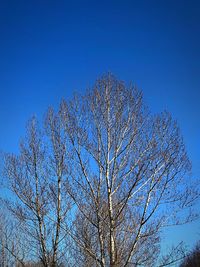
column 98, row 180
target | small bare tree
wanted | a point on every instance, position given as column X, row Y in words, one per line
column 193, row 258
column 13, row 246
column 127, row 175
column 35, row 177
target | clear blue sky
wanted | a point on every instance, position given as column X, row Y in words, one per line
column 49, row 48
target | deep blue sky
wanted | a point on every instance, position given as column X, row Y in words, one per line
column 48, row 49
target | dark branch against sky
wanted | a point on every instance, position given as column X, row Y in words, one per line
column 49, row 49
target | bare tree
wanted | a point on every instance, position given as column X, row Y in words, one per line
column 193, row 258
column 127, row 175
column 36, row 176
column 13, row 246
column 97, row 183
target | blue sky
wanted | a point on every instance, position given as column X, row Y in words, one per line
column 49, row 49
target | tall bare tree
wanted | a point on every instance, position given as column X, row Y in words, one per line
column 127, row 175
column 97, row 183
